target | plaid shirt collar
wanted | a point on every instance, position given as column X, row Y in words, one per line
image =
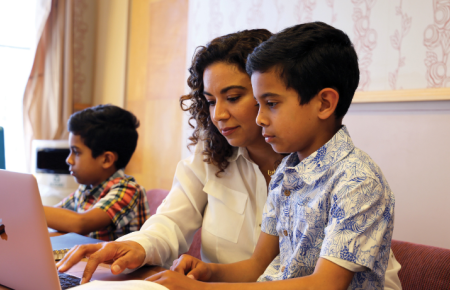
column 87, row 190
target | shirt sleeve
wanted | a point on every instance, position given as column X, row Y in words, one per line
column 360, row 222
column 170, row 231
column 68, row 202
column 120, row 201
column 346, row 264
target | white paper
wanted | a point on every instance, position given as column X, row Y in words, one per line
column 121, row 285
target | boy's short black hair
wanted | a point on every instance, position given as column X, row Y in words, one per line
column 309, row 58
column 106, row 128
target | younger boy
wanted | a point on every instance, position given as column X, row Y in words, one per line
column 108, row 203
column 328, row 219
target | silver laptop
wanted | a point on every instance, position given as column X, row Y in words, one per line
column 26, row 257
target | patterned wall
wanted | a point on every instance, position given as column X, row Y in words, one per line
column 400, row 44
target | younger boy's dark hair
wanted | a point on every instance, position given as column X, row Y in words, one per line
column 309, row 58
column 106, row 128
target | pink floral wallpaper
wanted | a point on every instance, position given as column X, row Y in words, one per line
column 400, row 44
column 436, row 38
column 396, row 43
column 365, row 38
column 304, row 10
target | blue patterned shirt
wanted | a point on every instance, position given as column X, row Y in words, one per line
column 334, row 203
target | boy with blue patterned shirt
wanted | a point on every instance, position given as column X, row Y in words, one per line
column 334, row 204
column 328, row 219
column 329, row 200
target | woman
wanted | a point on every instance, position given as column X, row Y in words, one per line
column 222, row 187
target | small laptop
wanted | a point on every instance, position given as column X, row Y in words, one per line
column 2, row 149
column 26, row 257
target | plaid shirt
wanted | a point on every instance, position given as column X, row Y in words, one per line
column 120, row 197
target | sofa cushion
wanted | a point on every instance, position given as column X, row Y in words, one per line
column 423, row 267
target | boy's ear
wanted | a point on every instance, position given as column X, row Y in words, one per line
column 328, row 99
column 109, row 158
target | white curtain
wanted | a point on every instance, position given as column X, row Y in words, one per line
column 47, row 102
column 21, row 25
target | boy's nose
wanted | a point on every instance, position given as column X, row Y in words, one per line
column 69, row 159
column 261, row 120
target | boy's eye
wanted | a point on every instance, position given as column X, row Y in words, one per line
column 271, row 104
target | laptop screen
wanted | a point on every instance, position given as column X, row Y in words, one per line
column 2, row 149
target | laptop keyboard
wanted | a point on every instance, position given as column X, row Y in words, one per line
column 68, row 281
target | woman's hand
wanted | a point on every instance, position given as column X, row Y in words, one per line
column 192, row 267
column 176, row 281
column 124, row 254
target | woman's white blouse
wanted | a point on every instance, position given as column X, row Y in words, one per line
column 228, row 208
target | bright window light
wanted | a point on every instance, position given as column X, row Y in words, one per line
column 18, row 26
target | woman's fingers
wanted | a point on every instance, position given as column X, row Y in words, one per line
column 75, row 255
column 129, row 255
column 106, row 252
column 123, row 263
column 126, row 254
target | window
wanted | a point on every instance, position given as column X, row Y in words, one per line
column 19, row 22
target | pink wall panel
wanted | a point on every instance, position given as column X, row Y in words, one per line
column 411, row 144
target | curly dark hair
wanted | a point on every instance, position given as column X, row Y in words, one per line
column 231, row 49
